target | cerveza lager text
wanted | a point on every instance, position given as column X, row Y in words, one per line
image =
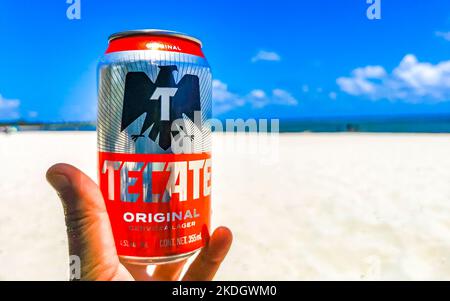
column 154, row 146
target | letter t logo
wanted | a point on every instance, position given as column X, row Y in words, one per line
column 165, row 94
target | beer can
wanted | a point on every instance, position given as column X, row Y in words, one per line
column 154, row 144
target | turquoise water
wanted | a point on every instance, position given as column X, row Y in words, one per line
column 384, row 125
column 411, row 124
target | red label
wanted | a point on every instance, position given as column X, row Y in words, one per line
column 158, row 204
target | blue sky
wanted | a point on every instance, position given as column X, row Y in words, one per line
column 285, row 59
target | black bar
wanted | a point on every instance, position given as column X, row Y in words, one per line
column 288, row 290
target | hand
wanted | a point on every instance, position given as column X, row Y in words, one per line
column 90, row 235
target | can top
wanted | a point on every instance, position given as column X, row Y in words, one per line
column 153, row 32
column 154, row 39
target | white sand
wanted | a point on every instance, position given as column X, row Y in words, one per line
column 334, row 206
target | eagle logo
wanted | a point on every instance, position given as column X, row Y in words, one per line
column 163, row 102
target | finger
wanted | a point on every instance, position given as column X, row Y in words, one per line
column 168, row 272
column 88, row 228
column 208, row 261
column 139, row 272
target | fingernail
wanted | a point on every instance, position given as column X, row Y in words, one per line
column 58, row 181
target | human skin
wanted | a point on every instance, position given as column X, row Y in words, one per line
column 90, row 236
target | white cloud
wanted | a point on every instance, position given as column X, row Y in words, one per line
column 355, row 85
column 224, row 100
column 370, row 72
column 220, row 91
column 263, row 55
column 257, row 93
column 410, row 81
column 444, row 35
column 9, row 108
column 283, row 97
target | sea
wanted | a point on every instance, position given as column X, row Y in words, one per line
column 381, row 124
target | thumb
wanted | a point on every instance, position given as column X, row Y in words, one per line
column 88, row 228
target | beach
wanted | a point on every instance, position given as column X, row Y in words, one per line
column 344, row 206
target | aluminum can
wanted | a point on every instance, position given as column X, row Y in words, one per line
column 154, row 144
